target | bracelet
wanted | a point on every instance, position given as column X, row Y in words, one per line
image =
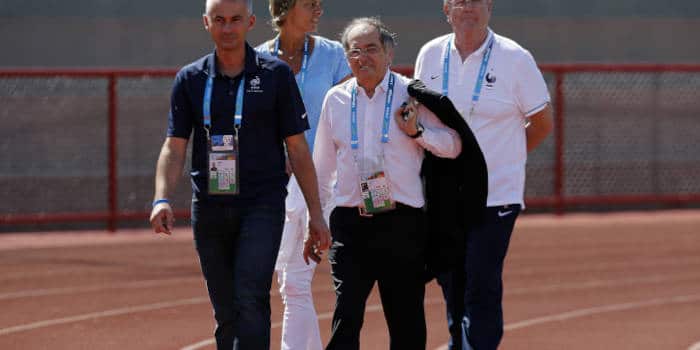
column 158, row 201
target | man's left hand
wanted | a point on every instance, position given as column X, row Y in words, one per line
column 406, row 117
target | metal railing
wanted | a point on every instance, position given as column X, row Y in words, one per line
column 558, row 200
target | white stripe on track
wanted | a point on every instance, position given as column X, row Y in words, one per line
column 101, row 314
column 607, row 266
column 107, row 313
column 602, row 309
column 96, row 288
column 597, row 310
column 323, row 316
column 604, row 283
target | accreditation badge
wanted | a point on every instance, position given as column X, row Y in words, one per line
column 223, row 166
column 376, row 193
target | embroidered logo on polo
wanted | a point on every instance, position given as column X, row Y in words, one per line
column 504, row 213
column 490, row 80
column 255, row 85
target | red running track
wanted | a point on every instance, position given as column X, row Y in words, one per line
column 582, row 281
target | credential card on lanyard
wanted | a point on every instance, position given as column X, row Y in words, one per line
column 223, row 170
column 374, row 185
column 376, row 193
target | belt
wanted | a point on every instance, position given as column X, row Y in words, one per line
column 398, row 206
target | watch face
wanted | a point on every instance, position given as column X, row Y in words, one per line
column 419, row 131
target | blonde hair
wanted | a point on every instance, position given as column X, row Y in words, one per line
column 279, row 10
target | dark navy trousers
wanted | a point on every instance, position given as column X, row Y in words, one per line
column 474, row 292
column 387, row 249
column 237, row 250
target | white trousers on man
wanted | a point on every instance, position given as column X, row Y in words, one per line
column 300, row 324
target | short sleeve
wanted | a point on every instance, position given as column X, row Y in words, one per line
column 181, row 114
column 418, row 67
column 342, row 69
column 530, row 88
column 290, row 107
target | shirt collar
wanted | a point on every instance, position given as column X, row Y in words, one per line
column 382, row 87
column 481, row 49
column 252, row 61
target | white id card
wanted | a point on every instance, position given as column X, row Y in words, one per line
column 223, row 166
column 376, row 194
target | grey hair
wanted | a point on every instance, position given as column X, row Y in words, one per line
column 445, row 2
column 387, row 38
column 248, row 4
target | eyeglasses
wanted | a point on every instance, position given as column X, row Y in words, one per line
column 357, row 52
column 468, row 3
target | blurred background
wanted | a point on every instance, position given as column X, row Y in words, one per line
column 84, row 91
column 84, row 99
column 118, row 33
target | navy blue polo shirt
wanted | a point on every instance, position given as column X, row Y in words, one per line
column 272, row 110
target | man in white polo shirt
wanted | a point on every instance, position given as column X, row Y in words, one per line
column 377, row 155
column 498, row 89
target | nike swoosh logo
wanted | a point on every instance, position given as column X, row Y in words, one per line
column 504, row 213
column 433, row 77
column 303, row 116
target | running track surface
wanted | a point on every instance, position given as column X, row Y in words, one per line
column 582, row 281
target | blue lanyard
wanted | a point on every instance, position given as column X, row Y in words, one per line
column 304, row 60
column 206, row 108
column 354, row 142
column 482, row 71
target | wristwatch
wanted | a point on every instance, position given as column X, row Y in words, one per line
column 419, row 131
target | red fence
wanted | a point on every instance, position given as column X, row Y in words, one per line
column 555, row 198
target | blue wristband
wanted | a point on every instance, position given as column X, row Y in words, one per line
column 158, row 201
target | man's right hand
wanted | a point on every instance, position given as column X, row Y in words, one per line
column 318, row 240
column 162, row 218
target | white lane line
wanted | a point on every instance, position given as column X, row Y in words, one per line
column 596, row 310
column 323, row 316
column 604, row 266
column 96, row 288
column 201, row 344
column 101, row 314
column 604, row 283
column 115, row 312
column 602, row 309
column 695, row 346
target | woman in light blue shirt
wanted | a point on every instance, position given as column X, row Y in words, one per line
column 318, row 64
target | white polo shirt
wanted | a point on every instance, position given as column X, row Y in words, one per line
column 403, row 156
column 513, row 89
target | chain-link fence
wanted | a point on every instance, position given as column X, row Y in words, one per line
column 627, row 135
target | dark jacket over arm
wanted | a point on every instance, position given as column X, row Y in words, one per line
column 455, row 189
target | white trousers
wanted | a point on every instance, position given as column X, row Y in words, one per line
column 300, row 323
